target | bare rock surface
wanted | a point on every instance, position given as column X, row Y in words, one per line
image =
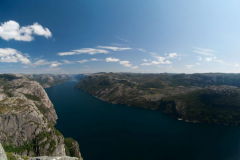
column 27, row 118
column 2, row 153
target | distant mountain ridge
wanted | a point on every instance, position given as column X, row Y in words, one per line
column 204, row 98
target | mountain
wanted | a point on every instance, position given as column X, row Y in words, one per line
column 27, row 119
column 204, row 98
column 49, row 80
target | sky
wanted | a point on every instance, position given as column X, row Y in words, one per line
column 88, row 36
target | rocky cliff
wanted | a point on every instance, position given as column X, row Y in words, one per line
column 208, row 98
column 27, row 119
column 2, row 153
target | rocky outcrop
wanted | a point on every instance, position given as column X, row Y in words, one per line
column 2, row 153
column 71, row 147
column 27, row 119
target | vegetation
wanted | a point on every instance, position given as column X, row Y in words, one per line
column 18, row 149
column 32, row 97
column 11, row 156
column 70, row 147
column 207, row 98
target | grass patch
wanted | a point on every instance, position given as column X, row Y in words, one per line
column 31, row 97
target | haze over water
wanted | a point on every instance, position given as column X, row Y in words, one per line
column 108, row 131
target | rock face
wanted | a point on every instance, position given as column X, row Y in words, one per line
column 2, row 153
column 71, row 147
column 27, row 119
column 208, row 98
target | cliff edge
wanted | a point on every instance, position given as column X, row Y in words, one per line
column 27, row 119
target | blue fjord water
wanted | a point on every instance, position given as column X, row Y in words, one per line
column 108, row 131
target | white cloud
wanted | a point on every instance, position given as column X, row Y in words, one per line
column 66, row 53
column 95, row 59
column 86, row 60
column 190, row 66
column 39, row 30
column 204, row 51
column 172, row 55
column 156, row 63
column 83, row 61
column 208, row 59
column 160, row 60
column 12, row 30
column 41, row 62
column 55, row 64
column 67, row 62
column 199, row 58
column 90, row 51
column 145, row 60
column 141, row 49
column 109, row 59
column 115, row 48
column 8, row 55
column 237, row 65
column 127, row 64
column 52, row 64
column 124, row 63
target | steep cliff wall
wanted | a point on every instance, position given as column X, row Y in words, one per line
column 27, row 117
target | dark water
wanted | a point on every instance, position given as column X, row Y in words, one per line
column 116, row 132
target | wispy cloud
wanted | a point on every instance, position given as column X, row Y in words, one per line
column 12, row 30
column 141, row 49
column 83, row 61
column 145, row 60
column 204, row 51
column 160, row 59
column 40, row 62
column 66, row 53
column 86, row 60
column 90, row 51
column 199, row 58
column 190, row 66
column 156, row 63
column 95, row 59
column 124, row 40
column 114, row 48
column 43, row 62
column 222, row 62
column 67, row 62
column 10, row 55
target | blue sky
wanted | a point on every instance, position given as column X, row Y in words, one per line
column 86, row 36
